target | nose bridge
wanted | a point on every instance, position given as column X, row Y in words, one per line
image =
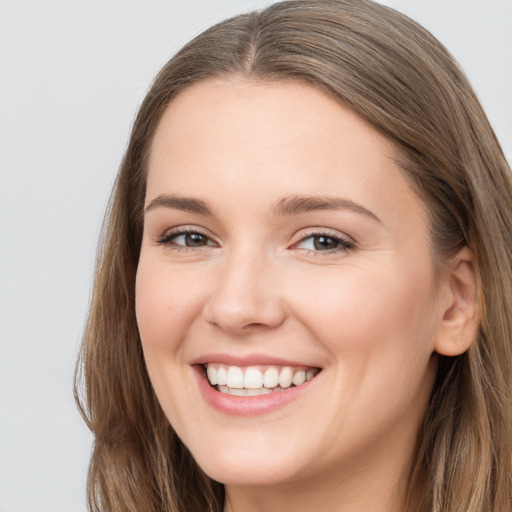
column 245, row 292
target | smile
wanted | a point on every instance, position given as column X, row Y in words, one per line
column 256, row 380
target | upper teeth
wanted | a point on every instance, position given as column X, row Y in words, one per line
column 256, row 377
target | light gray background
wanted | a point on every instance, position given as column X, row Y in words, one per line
column 72, row 74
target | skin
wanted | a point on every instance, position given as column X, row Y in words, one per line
column 371, row 316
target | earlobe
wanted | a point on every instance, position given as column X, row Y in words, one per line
column 460, row 313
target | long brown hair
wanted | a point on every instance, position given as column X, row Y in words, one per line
column 401, row 80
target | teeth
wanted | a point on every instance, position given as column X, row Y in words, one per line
column 254, row 381
column 244, row 392
column 286, row 377
column 299, row 377
column 271, row 378
column 222, row 375
column 212, row 375
column 237, row 392
column 235, row 378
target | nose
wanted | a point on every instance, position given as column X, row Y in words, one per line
column 246, row 296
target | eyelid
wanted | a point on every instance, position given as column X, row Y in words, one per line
column 168, row 235
column 348, row 243
column 321, row 231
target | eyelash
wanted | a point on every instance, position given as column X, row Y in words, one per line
column 168, row 239
column 343, row 244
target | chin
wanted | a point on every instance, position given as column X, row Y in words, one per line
column 253, row 465
column 247, row 473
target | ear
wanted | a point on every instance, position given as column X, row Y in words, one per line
column 460, row 311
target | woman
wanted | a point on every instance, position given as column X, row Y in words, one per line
column 303, row 294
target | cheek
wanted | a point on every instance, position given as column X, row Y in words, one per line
column 355, row 300
column 379, row 330
column 375, row 319
column 165, row 305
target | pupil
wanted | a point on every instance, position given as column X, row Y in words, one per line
column 325, row 242
column 194, row 239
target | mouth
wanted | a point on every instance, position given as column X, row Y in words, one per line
column 250, row 381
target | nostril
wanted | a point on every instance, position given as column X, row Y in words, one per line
column 255, row 326
column 241, row 328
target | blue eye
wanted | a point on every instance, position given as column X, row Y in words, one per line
column 324, row 243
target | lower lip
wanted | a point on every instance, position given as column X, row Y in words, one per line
column 248, row 405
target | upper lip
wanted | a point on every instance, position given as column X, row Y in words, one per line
column 249, row 360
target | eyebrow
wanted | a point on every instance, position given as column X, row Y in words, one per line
column 286, row 206
column 186, row 204
column 296, row 205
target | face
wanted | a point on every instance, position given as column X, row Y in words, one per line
column 285, row 292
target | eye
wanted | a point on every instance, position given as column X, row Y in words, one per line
column 327, row 243
column 186, row 239
column 190, row 239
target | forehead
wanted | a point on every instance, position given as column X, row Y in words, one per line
column 214, row 112
column 268, row 140
column 257, row 111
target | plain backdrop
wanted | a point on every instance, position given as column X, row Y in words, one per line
column 72, row 74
